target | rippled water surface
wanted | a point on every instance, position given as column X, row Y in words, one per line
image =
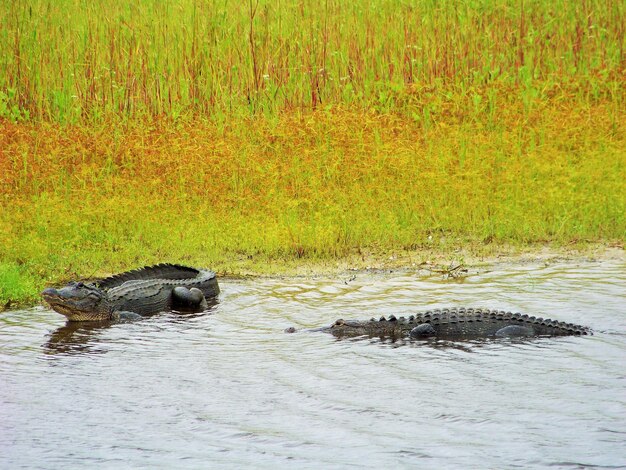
column 229, row 389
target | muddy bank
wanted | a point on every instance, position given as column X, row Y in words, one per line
column 437, row 262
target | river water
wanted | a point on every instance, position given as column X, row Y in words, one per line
column 229, row 389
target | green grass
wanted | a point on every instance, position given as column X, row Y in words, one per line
column 224, row 134
column 16, row 284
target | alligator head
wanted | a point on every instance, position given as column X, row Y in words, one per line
column 79, row 302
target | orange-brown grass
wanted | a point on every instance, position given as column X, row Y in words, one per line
column 79, row 200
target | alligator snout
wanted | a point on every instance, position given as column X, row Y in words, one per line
column 49, row 292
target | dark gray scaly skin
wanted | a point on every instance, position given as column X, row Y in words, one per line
column 134, row 294
column 455, row 323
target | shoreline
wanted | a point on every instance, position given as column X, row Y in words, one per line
column 457, row 263
column 436, row 261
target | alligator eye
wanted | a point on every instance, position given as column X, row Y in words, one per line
column 339, row 322
column 80, row 284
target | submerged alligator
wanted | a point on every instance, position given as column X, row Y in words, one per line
column 134, row 294
column 454, row 323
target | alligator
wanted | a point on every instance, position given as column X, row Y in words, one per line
column 134, row 294
column 454, row 323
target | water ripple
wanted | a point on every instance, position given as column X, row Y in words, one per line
column 229, row 388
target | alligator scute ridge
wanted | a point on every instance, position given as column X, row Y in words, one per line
column 161, row 271
column 133, row 294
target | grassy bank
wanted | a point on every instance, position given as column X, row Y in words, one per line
column 82, row 200
column 257, row 135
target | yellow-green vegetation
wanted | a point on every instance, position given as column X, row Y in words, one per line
column 203, row 132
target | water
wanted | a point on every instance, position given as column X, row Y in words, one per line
column 229, row 389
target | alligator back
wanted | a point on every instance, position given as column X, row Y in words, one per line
column 149, row 290
column 158, row 271
column 457, row 323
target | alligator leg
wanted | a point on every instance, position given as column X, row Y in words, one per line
column 514, row 330
column 124, row 316
column 423, row 331
column 193, row 298
column 426, row 329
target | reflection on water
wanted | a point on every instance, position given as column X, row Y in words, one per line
column 229, row 389
column 83, row 337
column 74, row 337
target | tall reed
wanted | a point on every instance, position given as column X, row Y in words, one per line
column 75, row 61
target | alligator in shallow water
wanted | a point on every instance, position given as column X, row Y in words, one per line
column 454, row 323
column 133, row 294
